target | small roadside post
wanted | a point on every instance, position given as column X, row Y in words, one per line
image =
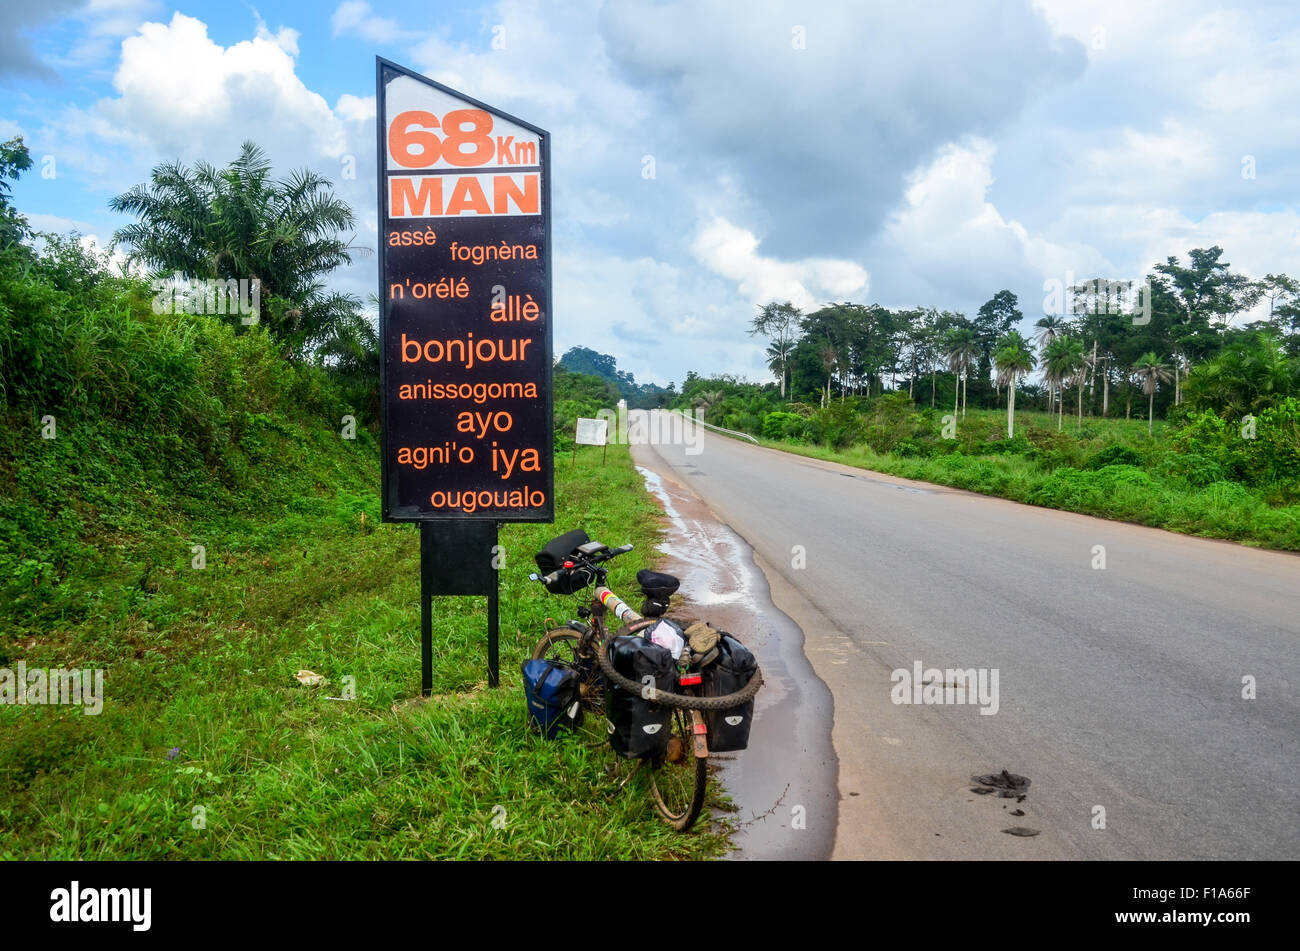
column 591, row 432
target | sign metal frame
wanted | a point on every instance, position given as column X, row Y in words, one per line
column 459, row 554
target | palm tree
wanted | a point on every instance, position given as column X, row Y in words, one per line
column 1086, row 375
column 351, row 352
column 780, row 321
column 1062, row 360
column 778, row 358
column 1151, row 373
column 1013, row 360
column 830, row 361
column 706, row 402
column 960, row 350
column 238, row 223
column 1248, row 375
column 1050, row 327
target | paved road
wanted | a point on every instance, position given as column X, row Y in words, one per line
column 1119, row 691
column 784, row 786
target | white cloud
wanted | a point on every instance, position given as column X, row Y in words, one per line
column 182, row 96
column 357, row 18
column 180, row 93
column 104, row 24
column 285, row 38
column 117, row 259
column 733, row 253
column 1142, row 165
column 355, row 108
column 657, row 318
column 57, row 224
column 820, row 136
column 949, row 237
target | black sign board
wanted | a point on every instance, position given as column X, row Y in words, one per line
column 464, row 194
column 465, row 306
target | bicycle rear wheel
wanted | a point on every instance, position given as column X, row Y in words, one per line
column 679, row 780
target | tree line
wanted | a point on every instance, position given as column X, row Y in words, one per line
column 1100, row 347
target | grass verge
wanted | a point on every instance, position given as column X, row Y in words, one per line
column 1129, row 493
column 207, row 747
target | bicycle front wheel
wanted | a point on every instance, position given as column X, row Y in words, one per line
column 564, row 646
column 679, row 780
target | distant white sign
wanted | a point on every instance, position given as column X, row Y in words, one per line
column 591, row 432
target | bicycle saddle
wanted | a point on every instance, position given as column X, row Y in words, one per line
column 656, row 584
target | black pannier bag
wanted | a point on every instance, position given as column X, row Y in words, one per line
column 638, row 727
column 657, row 588
column 735, row 666
column 555, row 554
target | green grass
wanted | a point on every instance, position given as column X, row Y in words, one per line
column 1069, row 471
column 300, row 574
column 174, row 431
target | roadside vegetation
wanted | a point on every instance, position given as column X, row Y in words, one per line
column 1177, row 480
column 191, row 505
column 1185, row 421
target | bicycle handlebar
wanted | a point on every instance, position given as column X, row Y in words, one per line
column 592, row 561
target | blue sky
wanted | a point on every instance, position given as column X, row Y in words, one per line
column 907, row 154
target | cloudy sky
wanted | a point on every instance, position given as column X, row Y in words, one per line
column 711, row 156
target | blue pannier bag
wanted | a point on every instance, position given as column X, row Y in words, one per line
column 551, row 694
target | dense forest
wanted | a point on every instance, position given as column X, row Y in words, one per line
column 1109, row 341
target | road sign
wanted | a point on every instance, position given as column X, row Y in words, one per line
column 590, row 432
column 464, row 196
column 465, row 306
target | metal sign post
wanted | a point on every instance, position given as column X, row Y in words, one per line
column 465, row 329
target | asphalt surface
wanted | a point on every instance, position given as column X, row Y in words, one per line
column 1119, row 690
column 785, row 789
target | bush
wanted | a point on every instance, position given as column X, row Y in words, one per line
column 1193, row 468
column 1273, row 456
column 751, row 423
column 782, row 425
column 1017, row 445
column 1115, row 454
column 1209, row 436
column 839, row 425
column 1124, row 492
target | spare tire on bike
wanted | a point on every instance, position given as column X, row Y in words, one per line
column 733, row 669
column 637, row 726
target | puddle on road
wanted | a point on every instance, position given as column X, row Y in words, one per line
column 719, row 562
column 785, row 783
